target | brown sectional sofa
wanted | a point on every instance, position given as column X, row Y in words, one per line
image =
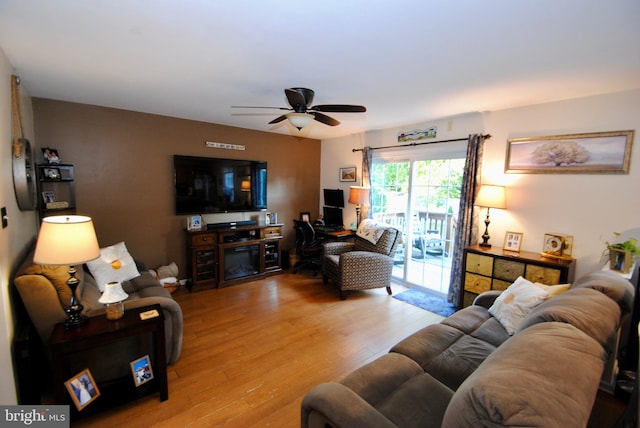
column 468, row 371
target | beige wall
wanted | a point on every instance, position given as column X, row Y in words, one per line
column 14, row 239
column 590, row 207
column 124, row 175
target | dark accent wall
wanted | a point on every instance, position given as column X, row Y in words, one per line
column 124, row 172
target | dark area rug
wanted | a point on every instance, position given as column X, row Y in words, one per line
column 426, row 301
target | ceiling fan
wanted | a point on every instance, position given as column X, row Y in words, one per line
column 302, row 113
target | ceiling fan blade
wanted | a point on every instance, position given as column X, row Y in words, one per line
column 339, row 108
column 272, row 108
column 278, row 119
column 297, row 99
column 325, row 119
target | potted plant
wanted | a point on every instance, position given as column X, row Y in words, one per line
column 621, row 254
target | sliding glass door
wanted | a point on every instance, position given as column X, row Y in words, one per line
column 420, row 196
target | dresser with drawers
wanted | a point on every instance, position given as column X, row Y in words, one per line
column 495, row 269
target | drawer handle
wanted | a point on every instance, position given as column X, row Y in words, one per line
column 204, row 239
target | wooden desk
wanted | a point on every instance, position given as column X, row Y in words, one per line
column 99, row 331
column 339, row 235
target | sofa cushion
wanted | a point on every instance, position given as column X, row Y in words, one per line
column 114, row 264
column 57, row 275
column 611, row 285
column 586, row 309
column 398, row 388
column 545, row 376
column 514, row 303
column 446, row 353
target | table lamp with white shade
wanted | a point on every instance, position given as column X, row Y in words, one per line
column 490, row 196
column 68, row 240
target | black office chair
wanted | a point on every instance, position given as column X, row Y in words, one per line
column 308, row 247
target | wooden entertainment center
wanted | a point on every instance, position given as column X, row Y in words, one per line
column 229, row 255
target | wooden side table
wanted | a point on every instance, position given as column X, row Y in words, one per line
column 100, row 331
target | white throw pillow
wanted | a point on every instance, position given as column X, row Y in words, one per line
column 514, row 303
column 114, row 264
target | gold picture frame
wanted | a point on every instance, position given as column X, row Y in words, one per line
column 588, row 153
column 82, row 389
column 513, row 241
column 557, row 246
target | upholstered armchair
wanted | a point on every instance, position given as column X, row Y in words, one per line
column 364, row 264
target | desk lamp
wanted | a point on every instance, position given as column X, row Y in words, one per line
column 360, row 196
column 490, row 196
column 67, row 240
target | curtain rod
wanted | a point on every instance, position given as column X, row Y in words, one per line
column 420, row 144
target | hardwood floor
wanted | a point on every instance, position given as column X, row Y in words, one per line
column 252, row 351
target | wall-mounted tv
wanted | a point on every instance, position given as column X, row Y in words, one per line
column 216, row 185
column 334, row 197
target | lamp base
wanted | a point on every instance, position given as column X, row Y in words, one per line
column 485, row 235
column 75, row 321
column 74, row 311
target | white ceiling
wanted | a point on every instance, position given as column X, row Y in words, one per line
column 407, row 61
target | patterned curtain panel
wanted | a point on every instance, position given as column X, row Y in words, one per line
column 467, row 227
column 367, row 156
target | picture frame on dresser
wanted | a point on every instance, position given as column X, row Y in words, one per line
column 513, row 241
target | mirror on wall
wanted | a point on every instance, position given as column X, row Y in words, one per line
column 24, row 175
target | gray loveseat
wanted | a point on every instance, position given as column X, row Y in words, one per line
column 468, row 371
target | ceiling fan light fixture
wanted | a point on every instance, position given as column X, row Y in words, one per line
column 300, row 120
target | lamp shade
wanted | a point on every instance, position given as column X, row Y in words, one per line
column 66, row 240
column 491, row 197
column 300, row 120
column 113, row 293
column 358, row 195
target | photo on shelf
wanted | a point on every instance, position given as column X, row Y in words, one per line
column 82, row 389
column 51, row 155
column 141, row 370
column 48, row 196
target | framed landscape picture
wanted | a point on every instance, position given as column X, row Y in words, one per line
column 593, row 153
column 348, row 173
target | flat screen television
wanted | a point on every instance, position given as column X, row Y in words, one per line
column 215, row 185
column 334, row 198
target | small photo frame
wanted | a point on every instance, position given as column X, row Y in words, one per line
column 48, row 196
column 305, row 216
column 141, row 370
column 513, row 241
column 348, row 173
column 194, row 222
column 51, row 173
column 51, row 155
column 82, row 389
